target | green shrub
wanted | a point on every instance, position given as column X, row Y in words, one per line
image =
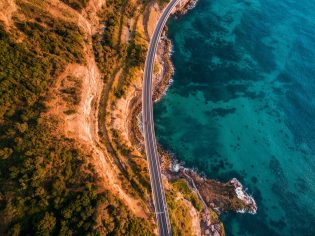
column 182, row 186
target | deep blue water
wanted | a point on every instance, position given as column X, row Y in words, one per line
column 243, row 105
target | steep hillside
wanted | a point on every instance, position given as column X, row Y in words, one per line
column 55, row 176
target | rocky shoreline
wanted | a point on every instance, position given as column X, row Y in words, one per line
column 221, row 197
column 217, row 197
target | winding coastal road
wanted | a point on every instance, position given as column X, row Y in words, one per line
column 161, row 212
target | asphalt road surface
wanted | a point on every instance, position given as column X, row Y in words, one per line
column 161, row 212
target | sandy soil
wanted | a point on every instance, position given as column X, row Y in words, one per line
column 124, row 37
column 7, row 9
column 90, row 14
column 154, row 15
column 195, row 225
column 121, row 116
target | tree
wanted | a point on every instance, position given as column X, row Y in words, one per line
column 46, row 225
column 5, row 153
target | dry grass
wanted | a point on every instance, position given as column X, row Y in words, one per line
column 8, row 8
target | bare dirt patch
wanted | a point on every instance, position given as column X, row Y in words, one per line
column 153, row 17
column 90, row 14
column 121, row 116
column 7, row 9
column 195, row 219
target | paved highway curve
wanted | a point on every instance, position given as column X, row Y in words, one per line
column 161, row 212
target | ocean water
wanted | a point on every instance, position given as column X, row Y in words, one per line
column 242, row 105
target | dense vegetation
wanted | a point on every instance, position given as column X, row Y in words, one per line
column 47, row 186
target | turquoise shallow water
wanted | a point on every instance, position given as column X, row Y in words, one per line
column 243, row 105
